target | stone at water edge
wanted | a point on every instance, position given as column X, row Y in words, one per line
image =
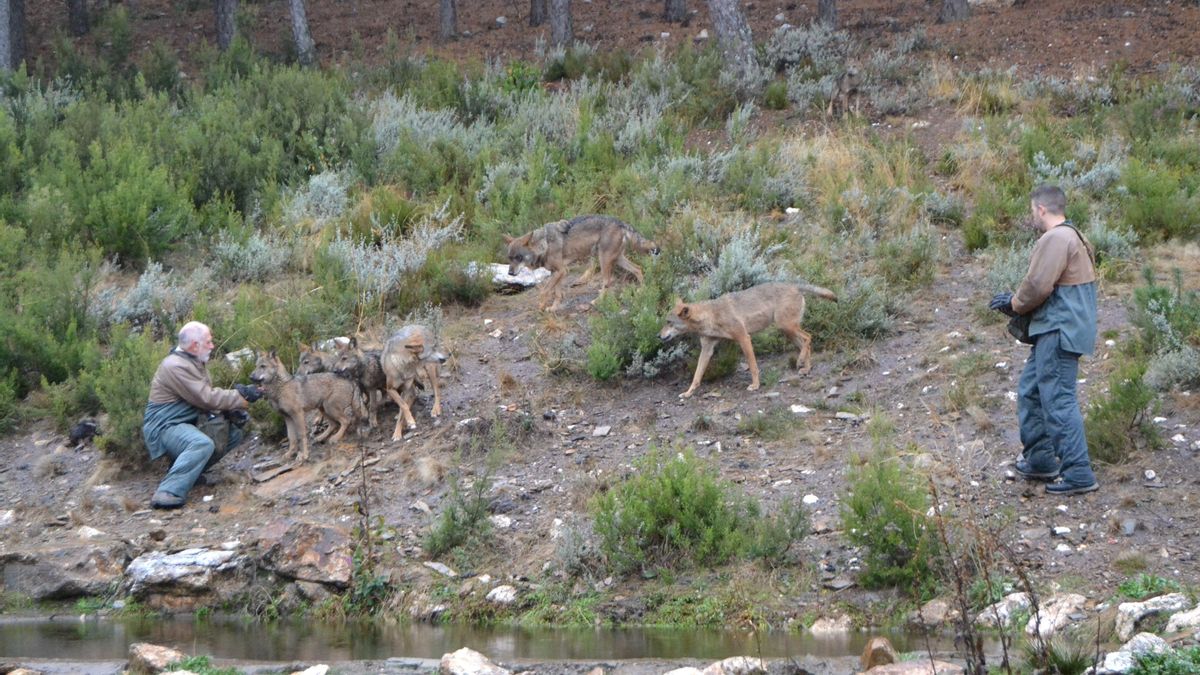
column 469, row 662
column 1130, row 613
column 999, row 614
column 832, row 626
column 878, row 652
column 934, row 613
column 919, row 667
column 313, row 670
column 736, row 665
column 502, row 595
column 147, row 658
column 1054, row 614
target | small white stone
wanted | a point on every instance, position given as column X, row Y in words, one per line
column 1063, row 548
column 1062, row 507
column 791, row 210
column 1159, row 420
column 801, row 410
column 1012, row 395
column 810, row 499
column 501, row 521
column 208, row 498
column 487, row 322
column 1002, row 365
column 1110, row 343
column 601, row 431
column 496, row 333
column 1179, row 438
column 1061, row 531
column 703, row 35
column 1150, row 475
column 781, row 483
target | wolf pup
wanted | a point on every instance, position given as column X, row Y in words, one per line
column 313, row 360
column 335, row 397
column 735, row 316
column 557, row 244
column 845, row 88
column 363, row 367
column 408, row 355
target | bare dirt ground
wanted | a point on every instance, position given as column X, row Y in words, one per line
column 499, row 375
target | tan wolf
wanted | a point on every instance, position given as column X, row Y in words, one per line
column 335, row 397
column 363, row 367
column 736, row 316
column 408, row 355
column 845, row 88
column 557, row 244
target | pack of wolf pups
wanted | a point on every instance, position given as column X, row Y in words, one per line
column 349, row 383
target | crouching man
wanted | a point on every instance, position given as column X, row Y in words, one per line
column 188, row 419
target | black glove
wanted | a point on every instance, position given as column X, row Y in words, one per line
column 237, row 418
column 1002, row 302
column 249, row 392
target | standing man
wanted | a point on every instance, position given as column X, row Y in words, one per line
column 182, row 399
column 1059, row 295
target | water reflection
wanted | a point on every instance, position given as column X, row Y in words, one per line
column 98, row 639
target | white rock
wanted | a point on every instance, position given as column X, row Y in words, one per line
column 999, row 614
column 1061, row 531
column 501, row 521
column 1150, row 475
column 801, row 410
column 810, row 499
column 1145, row 642
column 524, row 276
column 1110, row 343
column 780, row 17
column 1130, row 613
column 1184, row 621
column 737, row 665
column 664, row 35
column 497, row 333
column 85, row 532
column 1159, row 420
column 502, row 21
column 441, row 569
column 791, row 210
column 313, row 670
column 469, row 662
column 236, row 359
column 601, row 431
column 1179, row 438
column 1116, row 663
column 502, row 595
column 688, row 670
column 556, row 529
column 1063, row 548
column 832, row 626
column 1011, row 395
column 1063, row 508
column 1054, row 614
column 703, row 35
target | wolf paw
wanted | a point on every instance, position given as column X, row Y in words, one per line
column 686, row 394
column 753, row 387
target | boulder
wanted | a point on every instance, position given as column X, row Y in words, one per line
column 1054, row 614
column 686, row 670
column 1145, row 642
column 55, row 574
column 502, row 595
column 838, row 625
column 24, row 671
column 878, row 652
column 306, row 551
column 936, row 612
column 524, row 277
column 313, row 670
column 1184, row 621
column 469, row 662
column 737, row 665
column 1115, row 663
column 147, row 658
column 1130, row 613
column 999, row 614
column 181, row 581
column 920, row 667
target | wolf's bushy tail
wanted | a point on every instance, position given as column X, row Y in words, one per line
column 817, row 291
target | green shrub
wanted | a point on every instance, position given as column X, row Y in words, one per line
column 1145, row 586
column 202, row 665
column 464, row 518
column 1167, row 317
column 773, row 425
column 1157, row 204
column 885, row 514
column 673, row 511
column 1119, row 422
column 866, row 310
column 1183, row 661
column 122, row 386
column 1060, row 656
column 625, row 328
column 909, row 260
column 775, row 97
column 9, row 403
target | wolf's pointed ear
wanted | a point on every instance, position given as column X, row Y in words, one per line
column 684, row 310
column 508, row 239
column 353, row 342
column 271, row 354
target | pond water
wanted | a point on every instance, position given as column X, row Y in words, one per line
column 100, row 638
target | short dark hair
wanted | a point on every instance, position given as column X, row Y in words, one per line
column 1051, row 197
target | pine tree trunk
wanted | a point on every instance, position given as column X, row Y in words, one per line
column 77, row 17
column 827, row 13
column 954, row 10
column 306, row 51
column 226, row 13
column 560, row 23
column 12, row 34
column 736, row 41
column 537, row 12
column 675, row 11
column 448, row 19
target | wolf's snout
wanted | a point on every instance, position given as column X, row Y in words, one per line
column 256, row 378
column 513, row 269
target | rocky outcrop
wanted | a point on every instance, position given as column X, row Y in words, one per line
column 63, row 573
column 185, row 580
column 1123, row 660
column 147, row 658
column 922, row 667
column 1130, row 613
column 1000, row 614
column 1184, row 621
column 469, row 662
column 307, row 551
column 736, row 665
column 1054, row 614
column 502, row 595
column 838, row 625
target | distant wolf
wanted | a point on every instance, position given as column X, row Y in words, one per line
column 363, row 367
column 735, row 316
column 557, row 244
column 335, row 397
column 408, row 354
column 845, row 88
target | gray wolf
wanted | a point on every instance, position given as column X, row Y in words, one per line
column 845, row 88
column 557, row 244
column 363, row 367
column 313, row 360
column 335, row 397
column 408, row 355
column 736, row 316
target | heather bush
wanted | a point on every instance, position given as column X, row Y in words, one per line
column 122, row 386
column 254, row 257
column 1118, row 422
